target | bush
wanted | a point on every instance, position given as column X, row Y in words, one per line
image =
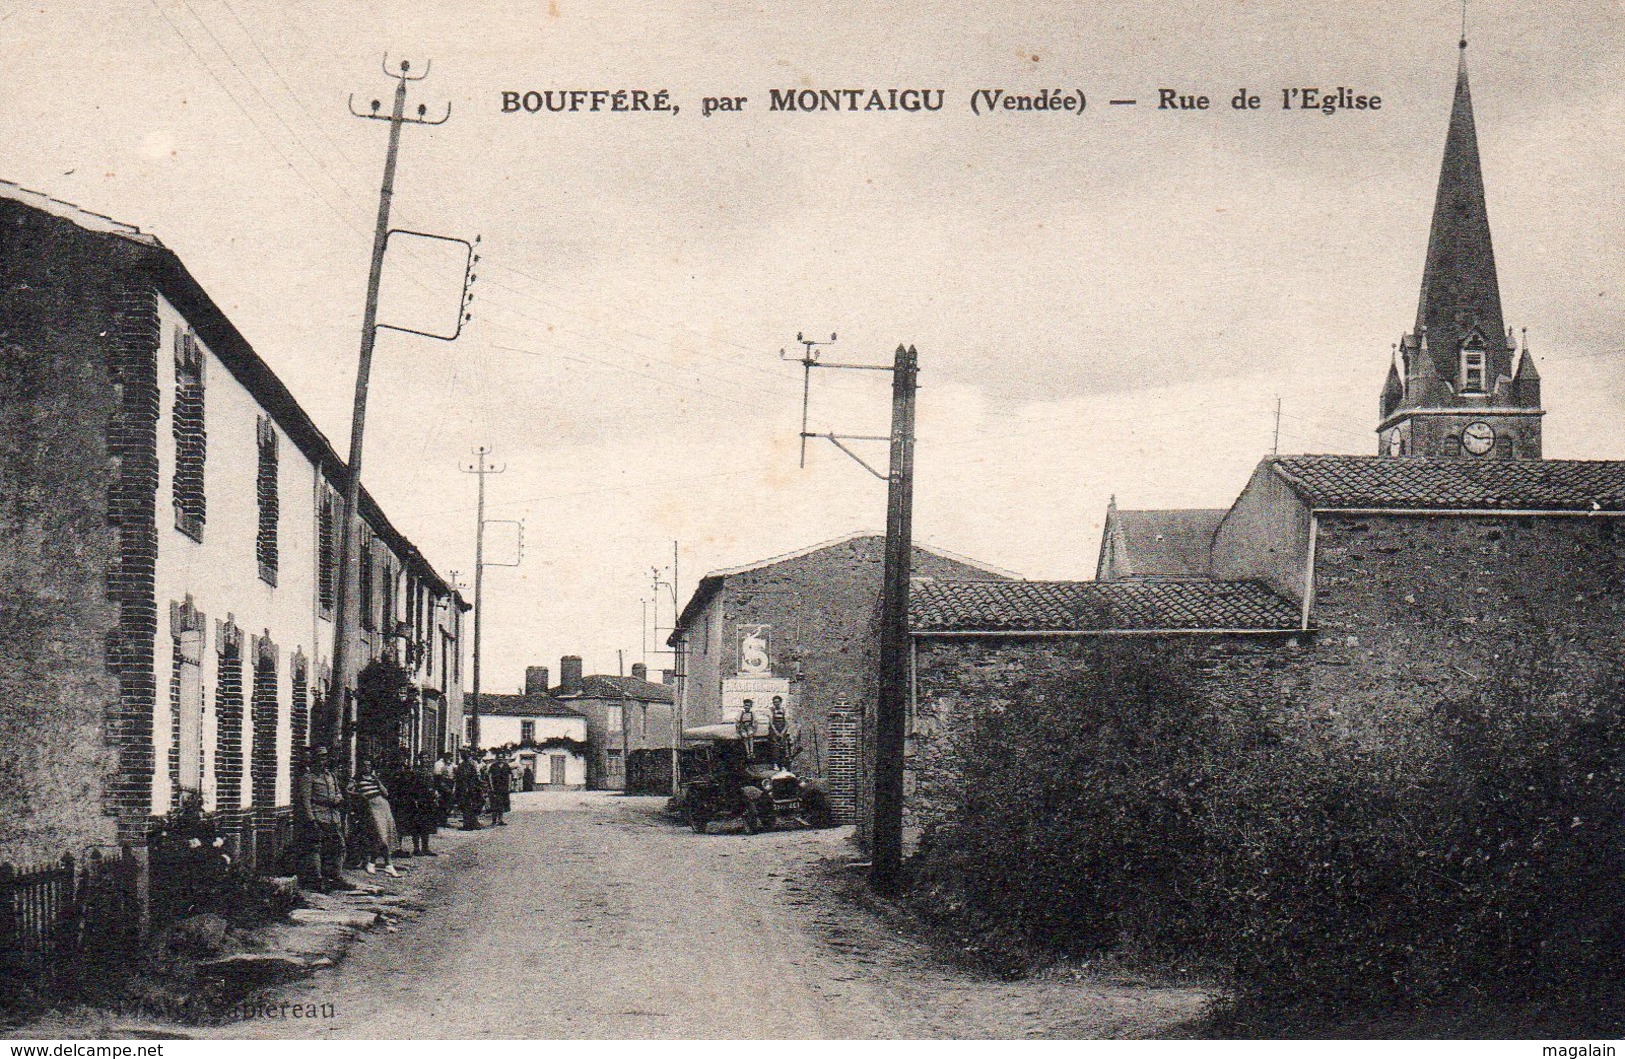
column 1475, row 846
column 193, row 872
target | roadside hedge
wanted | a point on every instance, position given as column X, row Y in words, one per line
column 1471, row 845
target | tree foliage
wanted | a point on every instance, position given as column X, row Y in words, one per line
column 1475, row 847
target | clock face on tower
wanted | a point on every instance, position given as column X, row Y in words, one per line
column 1478, row 438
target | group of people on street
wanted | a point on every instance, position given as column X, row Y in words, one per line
column 370, row 818
column 481, row 787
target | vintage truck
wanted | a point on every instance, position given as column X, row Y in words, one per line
column 734, row 772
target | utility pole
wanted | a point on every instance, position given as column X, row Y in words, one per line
column 1275, row 445
column 891, row 713
column 891, row 717
column 481, row 468
column 344, row 632
column 677, row 661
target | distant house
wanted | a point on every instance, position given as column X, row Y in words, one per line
column 800, row 627
column 548, row 738
column 1162, row 543
column 627, row 717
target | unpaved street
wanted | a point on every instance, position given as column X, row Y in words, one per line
column 591, row 916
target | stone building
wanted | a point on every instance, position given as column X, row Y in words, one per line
column 168, row 532
column 626, row 716
column 547, row 737
column 800, row 627
column 1162, row 543
column 1343, row 593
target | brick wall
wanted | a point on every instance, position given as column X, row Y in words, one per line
column 228, row 713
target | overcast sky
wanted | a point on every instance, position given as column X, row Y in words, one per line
column 1103, row 303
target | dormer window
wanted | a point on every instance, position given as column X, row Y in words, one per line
column 1472, row 371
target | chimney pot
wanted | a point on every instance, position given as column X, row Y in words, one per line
column 536, row 680
column 640, row 671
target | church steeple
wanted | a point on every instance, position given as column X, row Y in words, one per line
column 1460, row 388
column 1461, row 297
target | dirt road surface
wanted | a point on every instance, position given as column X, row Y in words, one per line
column 592, row 916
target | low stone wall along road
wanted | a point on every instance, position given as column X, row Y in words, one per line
column 591, row 915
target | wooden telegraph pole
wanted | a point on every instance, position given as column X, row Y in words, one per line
column 340, row 704
column 344, row 633
column 891, row 714
column 482, row 468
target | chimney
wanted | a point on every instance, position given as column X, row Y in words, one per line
column 640, row 671
column 570, row 674
column 536, row 680
column 668, row 677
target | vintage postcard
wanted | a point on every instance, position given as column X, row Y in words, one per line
column 536, row 519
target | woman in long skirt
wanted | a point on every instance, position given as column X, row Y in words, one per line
column 380, row 819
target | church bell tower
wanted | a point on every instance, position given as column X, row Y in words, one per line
column 1459, row 385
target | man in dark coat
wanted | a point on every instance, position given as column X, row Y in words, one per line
column 501, row 778
column 445, row 786
column 419, row 814
column 470, row 791
column 319, row 809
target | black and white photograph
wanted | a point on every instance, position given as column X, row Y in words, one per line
column 536, row 520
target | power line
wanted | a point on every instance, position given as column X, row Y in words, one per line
column 246, row 113
column 317, row 125
column 256, row 90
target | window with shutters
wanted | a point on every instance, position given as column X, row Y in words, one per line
column 191, row 440
column 265, row 488
column 1472, row 371
column 368, row 619
column 327, row 560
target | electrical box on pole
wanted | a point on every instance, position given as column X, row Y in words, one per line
column 340, row 719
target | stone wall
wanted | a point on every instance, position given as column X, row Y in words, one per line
column 822, row 607
column 77, row 405
column 956, row 678
column 1408, row 610
column 1412, row 608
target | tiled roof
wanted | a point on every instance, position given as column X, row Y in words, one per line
column 604, row 686
column 1082, row 606
column 525, row 706
column 223, row 339
column 712, row 582
column 1167, row 543
column 89, row 221
column 1455, row 484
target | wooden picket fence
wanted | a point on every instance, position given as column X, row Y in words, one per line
column 52, row 913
